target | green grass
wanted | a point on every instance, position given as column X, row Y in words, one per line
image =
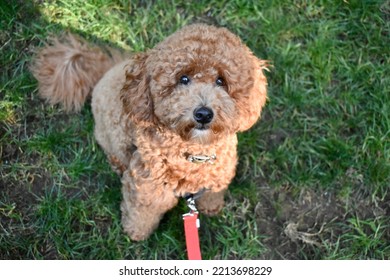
column 319, row 158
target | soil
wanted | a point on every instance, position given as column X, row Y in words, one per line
column 297, row 226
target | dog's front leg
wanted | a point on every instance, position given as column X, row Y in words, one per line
column 211, row 203
column 144, row 203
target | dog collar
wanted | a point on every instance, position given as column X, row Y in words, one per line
column 202, row 158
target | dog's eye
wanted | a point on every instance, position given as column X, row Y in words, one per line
column 184, row 80
column 220, row 82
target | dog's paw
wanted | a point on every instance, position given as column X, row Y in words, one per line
column 136, row 235
column 211, row 203
column 211, row 211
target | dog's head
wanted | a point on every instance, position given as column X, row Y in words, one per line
column 201, row 83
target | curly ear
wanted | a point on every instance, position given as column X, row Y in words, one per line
column 135, row 93
column 257, row 95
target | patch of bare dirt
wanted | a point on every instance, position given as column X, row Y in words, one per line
column 296, row 225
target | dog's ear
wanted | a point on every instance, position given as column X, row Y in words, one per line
column 135, row 93
column 257, row 95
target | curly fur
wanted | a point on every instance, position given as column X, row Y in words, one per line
column 144, row 116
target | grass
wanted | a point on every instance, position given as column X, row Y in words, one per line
column 318, row 159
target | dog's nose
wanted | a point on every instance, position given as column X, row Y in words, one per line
column 203, row 115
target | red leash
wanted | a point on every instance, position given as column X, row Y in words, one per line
column 191, row 225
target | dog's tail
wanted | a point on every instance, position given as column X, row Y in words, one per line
column 67, row 69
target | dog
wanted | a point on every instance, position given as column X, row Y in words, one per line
column 166, row 118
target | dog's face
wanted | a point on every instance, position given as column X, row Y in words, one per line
column 194, row 102
column 201, row 83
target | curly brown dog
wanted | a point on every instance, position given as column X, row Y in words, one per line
column 167, row 118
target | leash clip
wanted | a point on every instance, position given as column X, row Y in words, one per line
column 191, row 204
column 191, row 225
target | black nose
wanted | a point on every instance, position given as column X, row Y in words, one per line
column 203, row 115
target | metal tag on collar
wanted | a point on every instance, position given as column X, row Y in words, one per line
column 202, row 159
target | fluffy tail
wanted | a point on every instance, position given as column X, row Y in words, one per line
column 67, row 69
